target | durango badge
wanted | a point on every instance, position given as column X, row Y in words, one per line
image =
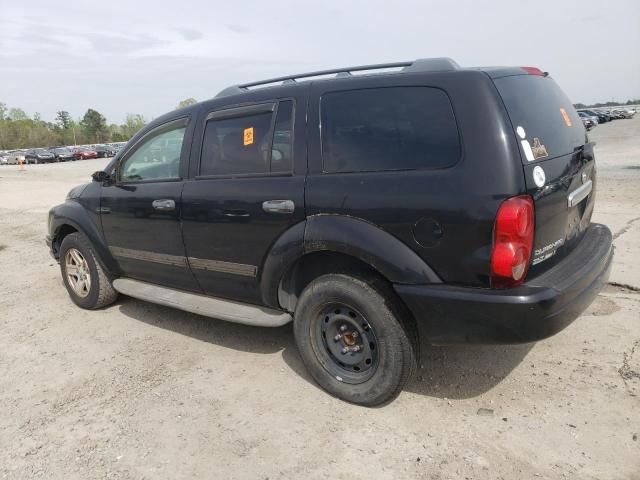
column 539, row 177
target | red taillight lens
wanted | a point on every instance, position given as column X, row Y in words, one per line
column 512, row 242
column 533, row 71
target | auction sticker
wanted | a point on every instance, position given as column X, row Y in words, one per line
column 248, row 136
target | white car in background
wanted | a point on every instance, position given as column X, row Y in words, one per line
column 14, row 156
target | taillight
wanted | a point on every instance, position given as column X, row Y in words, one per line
column 533, row 71
column 512, row 242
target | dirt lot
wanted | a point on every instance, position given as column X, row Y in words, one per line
column 141, row 391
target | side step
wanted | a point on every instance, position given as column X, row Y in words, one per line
column 208, row 306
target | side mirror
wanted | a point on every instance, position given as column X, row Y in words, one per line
column 100, row 176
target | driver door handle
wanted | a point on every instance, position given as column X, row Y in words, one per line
column 164, row 204
column 278, row 206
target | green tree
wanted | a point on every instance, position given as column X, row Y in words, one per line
column 17, row 114
column 132, row 124
column 94, row 126
column 186, row 102
column 64, row 120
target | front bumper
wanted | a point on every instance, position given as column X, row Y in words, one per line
column 53, row 251
column 535, row 310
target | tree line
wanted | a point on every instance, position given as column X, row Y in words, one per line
column 633, row 101
column 19, row 130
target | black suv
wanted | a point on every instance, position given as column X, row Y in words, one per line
column 414, row 199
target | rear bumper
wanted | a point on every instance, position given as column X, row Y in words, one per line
column 535, row 310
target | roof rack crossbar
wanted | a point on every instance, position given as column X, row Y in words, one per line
column 327, row 72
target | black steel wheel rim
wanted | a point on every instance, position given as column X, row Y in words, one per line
column 345, row 343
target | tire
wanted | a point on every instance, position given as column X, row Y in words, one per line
column 338, row 305
column 99, row 293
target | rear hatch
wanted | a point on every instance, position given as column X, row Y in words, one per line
column 557, row 160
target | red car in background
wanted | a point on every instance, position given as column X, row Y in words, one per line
column 84, row 153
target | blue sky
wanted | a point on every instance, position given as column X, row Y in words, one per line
column 122, row 57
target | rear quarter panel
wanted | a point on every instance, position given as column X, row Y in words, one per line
column 461, row 200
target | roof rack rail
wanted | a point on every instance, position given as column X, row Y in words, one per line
column 419, row 65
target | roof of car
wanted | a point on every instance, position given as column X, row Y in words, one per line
column 440, row 64
column 421, row 65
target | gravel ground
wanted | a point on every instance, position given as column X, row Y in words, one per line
column 142, row 391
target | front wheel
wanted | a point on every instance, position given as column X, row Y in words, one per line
column 83, row 276
column 356, row 340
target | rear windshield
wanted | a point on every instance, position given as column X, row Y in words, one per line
column 542, row 116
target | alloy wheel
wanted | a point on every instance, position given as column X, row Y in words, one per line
column 77, row 271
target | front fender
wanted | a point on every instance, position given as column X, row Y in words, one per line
column 369, row 243
column 76, row 215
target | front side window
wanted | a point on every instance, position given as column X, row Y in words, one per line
column 395, row 128
column 157, row 158
column 250, row 144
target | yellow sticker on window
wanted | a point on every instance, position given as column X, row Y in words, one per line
column 565, row 115
column 248, row 136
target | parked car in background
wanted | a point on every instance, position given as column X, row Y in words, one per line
column 84, row 153
column 14, row 156
column 119, row 146
column 588, row 123
column 592, row 118
column 4, row 158
column 602, row 118
column 62, row 154
column 39, row 155
column 104, row 151
column 627, row 113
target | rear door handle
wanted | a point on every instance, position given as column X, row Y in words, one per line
column 278, row 206
column 164, row 204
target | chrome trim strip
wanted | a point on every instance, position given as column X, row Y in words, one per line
column 144, row 256
column 223, row 267
column 202, row 305
column 579, row 194
column 184, row 262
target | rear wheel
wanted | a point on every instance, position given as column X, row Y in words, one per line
column 83, row 276
column 355, row 339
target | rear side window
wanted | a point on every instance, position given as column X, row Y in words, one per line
column 551, row 125
column 281, row 151
column 250, row 144
column 396, row 128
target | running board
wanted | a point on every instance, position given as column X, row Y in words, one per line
column 208, row 306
